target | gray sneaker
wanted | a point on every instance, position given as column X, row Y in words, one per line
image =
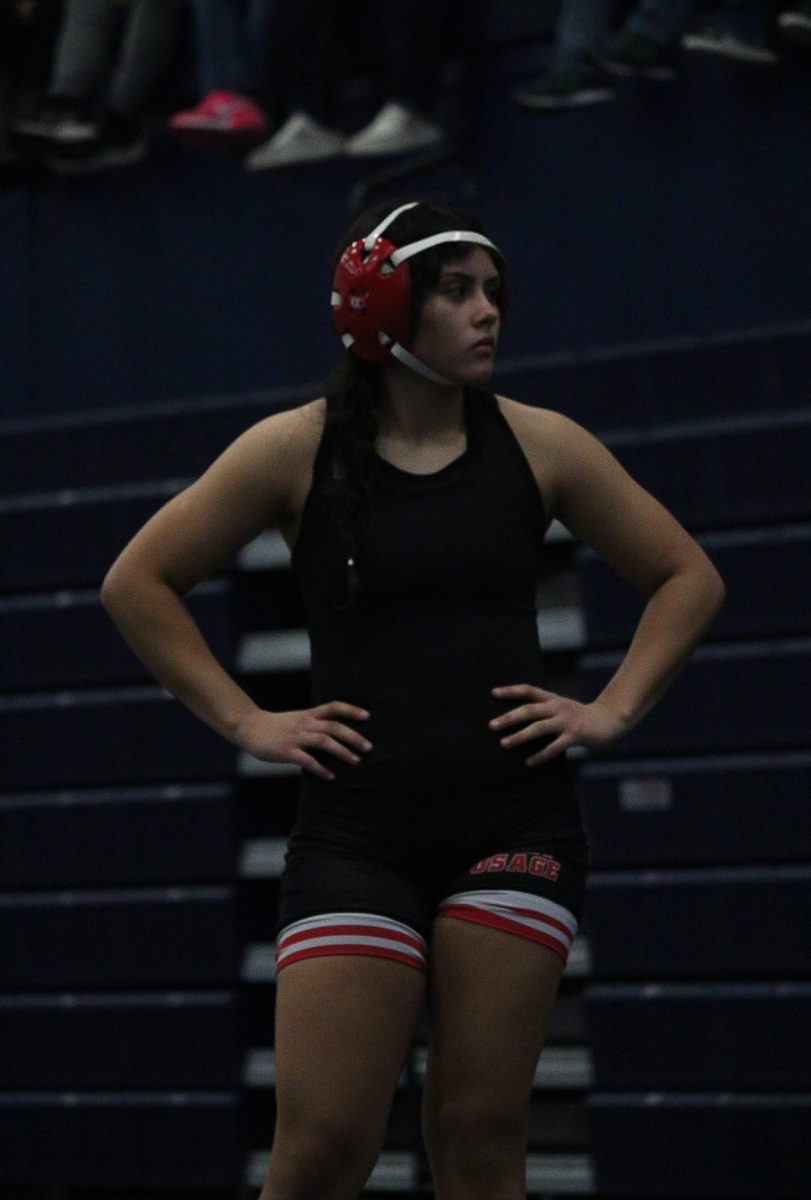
column 564, row 87
column 301, row 139
column 796, row 25
column 733, row 34
column 395, row 130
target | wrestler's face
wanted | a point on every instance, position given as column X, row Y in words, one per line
column 459, row 323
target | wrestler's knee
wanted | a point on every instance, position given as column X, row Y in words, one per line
column 325, row 1157
column 476, row 1146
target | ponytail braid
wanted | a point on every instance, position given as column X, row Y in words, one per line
column 353, row 392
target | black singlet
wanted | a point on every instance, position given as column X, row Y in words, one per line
column 447, row 612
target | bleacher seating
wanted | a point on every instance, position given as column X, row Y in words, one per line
column 140, row 853
column 120, row 819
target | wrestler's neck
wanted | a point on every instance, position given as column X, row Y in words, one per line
column 416, row 411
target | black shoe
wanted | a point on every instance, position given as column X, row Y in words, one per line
column 564, row 87
column 119, row 142
column 629, row 55
column 57, row 120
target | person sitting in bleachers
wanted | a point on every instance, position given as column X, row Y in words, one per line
column 583, row 54
column 28, row 31
column 411, row 30
column 109, row 58
column 230, row 40
column 747, row 30
column 308, row 30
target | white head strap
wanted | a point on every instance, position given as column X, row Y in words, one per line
column 462, row 236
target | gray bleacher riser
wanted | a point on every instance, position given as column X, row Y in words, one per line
column 747, row 1147
column 725, row 473
column 68, row 639
column 610, row 391
column 114, row 1141
column 732, row 476
column 120, row 1042
column 106, row 448
column 138, row 937
column 700, row 923
column 708, row 1036
column 645, row 389
column 53, row 546
column 95, row 839
column 105, row 738
column 750, row 696
column 698, row 811
column 768, row 583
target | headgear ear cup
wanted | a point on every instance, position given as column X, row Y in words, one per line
column 371, row 293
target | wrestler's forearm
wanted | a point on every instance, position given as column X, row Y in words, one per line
column 157, row 625
column 672, row 624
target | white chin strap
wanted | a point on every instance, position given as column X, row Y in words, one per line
column 463, row 236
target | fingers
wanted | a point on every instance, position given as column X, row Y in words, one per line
column 332, row 737
column 311, row 764
column 339, row 708
column 351, row 736
column 522, row 689
column 551, row 751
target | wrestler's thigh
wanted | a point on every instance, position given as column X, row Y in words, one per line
column 344, row 1026
column 491, row 995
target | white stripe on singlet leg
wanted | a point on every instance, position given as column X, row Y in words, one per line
column 529, row 916
column 350, row 933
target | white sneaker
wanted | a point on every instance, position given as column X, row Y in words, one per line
column 394, row 130
column 796, row 26
column 300, row 139
column 728, row 44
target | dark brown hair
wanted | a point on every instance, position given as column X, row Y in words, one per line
column 356, row 388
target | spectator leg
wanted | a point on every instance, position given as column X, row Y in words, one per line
column 413, row 30
column 582, row 26
column 84, row 49
column 146, row 50
column 224, row 57
column 309, row 33
column 660, row 21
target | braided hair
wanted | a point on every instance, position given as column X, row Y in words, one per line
column 356, row 389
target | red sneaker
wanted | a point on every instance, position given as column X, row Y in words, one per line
column 221, row 113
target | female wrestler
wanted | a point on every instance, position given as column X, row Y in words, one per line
column 438, row 848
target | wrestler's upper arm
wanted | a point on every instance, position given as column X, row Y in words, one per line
column 593, row 495
column 247, row 488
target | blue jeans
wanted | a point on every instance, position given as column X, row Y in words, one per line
column 584, row 24
column 231, row 38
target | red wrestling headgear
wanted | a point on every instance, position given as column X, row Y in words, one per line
column 371, row 293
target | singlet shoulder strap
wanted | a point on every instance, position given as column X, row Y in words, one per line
column 489, row 415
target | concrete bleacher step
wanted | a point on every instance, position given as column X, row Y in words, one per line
column 108, row 1041
column 65, row 639
column 732, row 695
column 605, row 389
column 547, row 1174
column 175, row 937
column 679, row 379
column 751, row 1146
column 721, row 1023
column 736, row 808
column 105, row 736
column 119, row 1141
column 703, row 471
column 767, row 579
column 560, row 1068
column 169, row 834
column 700, row 923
